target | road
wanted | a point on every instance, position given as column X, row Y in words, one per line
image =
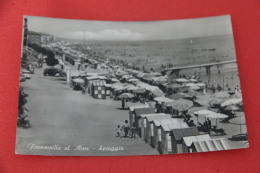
column 63, row 117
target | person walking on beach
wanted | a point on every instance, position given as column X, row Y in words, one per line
column 133, row 130
column 125, row 128
column 83, row 90
column 123, row 103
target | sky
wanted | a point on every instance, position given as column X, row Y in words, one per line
column 131, row 31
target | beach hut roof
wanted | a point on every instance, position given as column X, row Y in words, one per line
column 178, row 125
column 132, row 108
column 139, row 111
column 158, row 117
column 190, row 139
column 183, row 132
column 211, row 145
column 151, row 114
column 165, row 121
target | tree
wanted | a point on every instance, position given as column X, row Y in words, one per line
column 51, row 60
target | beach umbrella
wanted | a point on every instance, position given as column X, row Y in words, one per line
column 133, row 80
column 163, row 99
column 240, row 114
column 78, row 80
column 177, row 96
column 156, row 92
column 114, row 80
column 193, row 80
column 181, row 104
column 202, row 99
column 182, row 80
column 139, row 91
column 216, row 116
column 200, row 84
column 203, row 112
column 131, row 88
column 175, row 86
column 216, row 101
column 239, row 121
column 190, row 84
column 195, row 109
column 194, row 87
column 192, row 93
column 231, row 102
column 231, row 108
column 237, row 95
column 221, row 95
column 126, row 95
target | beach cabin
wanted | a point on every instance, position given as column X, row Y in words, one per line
column 149, row 135
column 137, row 117
column 177, row 135
column 210, row 145
column 131, row 112
column 143, row 123
column 108, row 89
column 98, row 90
column 165, row 146
column 173, row 122
column 187, row 142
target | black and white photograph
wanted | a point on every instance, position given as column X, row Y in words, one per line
column 114, row 88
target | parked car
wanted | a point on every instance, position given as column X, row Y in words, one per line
column 52, row 71
column 26, row 74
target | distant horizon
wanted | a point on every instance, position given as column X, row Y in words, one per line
column 130, row 31
column 71, row 39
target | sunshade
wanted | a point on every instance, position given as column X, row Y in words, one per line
column 221, row 95
column 114, row 80
column 203, row 99
column 181, row 80
column 175, row 85
column 139, row 91
column 231, row 108
column 239, row 121
column 181, row 104
column 163, row 99
column 133, row 79
column 193, row 80
column 190, row 84
column 177, row 96
column 216, row 115
column 237, row 95
column 131, row 88
column 231, row 102
column 196, row 109
column 194, row 87
column 192, row 93
column 200, row 84
column 126, row 95
column 216, row 101
column 204, row 112
column 78, row 80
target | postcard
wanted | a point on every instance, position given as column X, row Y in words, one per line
column 110, row 88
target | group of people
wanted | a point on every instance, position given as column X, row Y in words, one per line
column 126, row 131
column 23, row 115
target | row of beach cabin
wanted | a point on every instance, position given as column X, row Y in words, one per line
column 171, row 135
